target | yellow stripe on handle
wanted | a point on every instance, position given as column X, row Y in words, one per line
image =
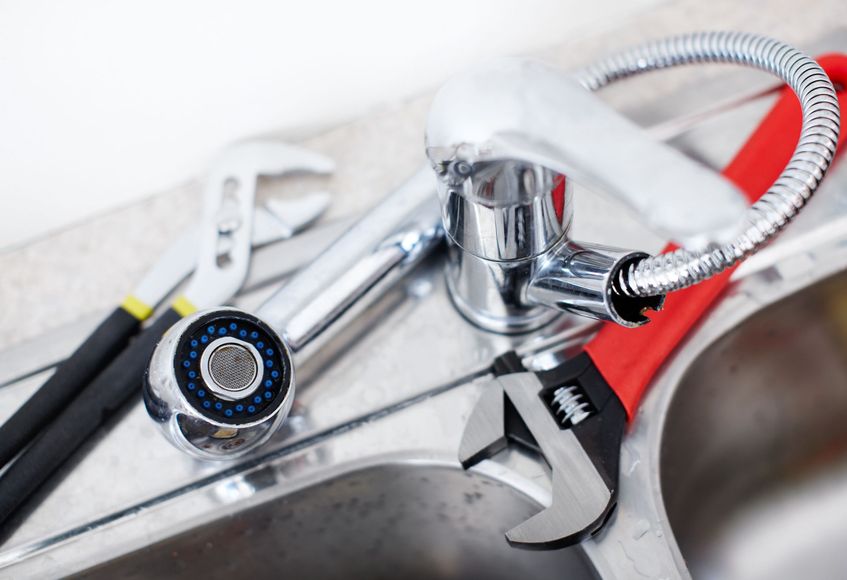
column 183, row 306
column 137, row 308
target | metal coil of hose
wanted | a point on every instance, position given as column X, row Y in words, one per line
column 784, row 199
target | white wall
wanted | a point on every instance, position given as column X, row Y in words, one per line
column 103, row 102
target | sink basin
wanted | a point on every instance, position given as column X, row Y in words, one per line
column 388, row 521
column 753, row 459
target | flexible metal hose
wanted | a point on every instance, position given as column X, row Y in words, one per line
column 798, row 181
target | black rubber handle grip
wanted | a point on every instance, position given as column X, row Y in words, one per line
column 69, row 378
column 81, row 418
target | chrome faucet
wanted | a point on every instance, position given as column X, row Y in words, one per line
column 506, row 140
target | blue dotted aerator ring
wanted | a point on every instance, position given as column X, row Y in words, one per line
column 275, row 368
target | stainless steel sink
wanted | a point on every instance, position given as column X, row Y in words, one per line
column 755, row 444
column 736, row 465
column 387, row 521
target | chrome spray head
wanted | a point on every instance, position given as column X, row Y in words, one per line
column 220, row 383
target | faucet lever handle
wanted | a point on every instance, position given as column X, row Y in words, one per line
column 518, row 109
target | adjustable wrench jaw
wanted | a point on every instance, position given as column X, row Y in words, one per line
column 518, row 408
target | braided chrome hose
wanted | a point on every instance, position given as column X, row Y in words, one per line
column 789, row 193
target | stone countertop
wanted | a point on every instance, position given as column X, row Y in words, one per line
column 88, row 268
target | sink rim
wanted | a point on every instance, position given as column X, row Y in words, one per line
column 401, row 487
column 220, row 496
column 751, row 432
column 762, row 281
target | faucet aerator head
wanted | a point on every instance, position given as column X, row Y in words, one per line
column 219, row 383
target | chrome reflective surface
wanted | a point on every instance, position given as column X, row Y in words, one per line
column 693, row 263
column 317, row 303
column 379, row 249
column 538, row 119
column 492, row 294
column 502, row 210
column 181, row 419
column 505, row 174
column 583, row 279
column 492, row 131
column 223, row 254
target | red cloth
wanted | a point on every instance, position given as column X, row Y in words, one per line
column 629, row 358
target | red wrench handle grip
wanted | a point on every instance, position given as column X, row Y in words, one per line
column 629, row 358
